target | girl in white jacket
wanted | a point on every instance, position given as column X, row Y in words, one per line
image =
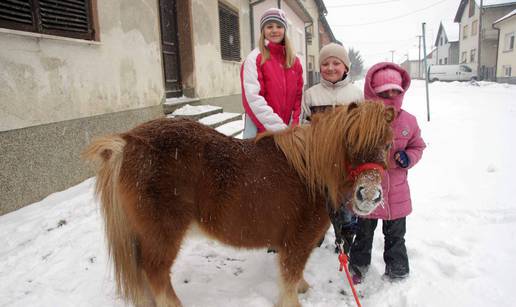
column 335, row 87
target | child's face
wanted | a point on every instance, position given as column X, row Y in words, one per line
column 389, row 94
column 333, row 69
column 274, row 32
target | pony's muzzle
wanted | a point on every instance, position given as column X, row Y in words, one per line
column 366, row 199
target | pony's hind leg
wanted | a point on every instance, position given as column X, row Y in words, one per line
column 292, row 264
column 157, row 272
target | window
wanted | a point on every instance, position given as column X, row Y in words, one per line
column 441, row 41
column 440, row 61
column 55, row 17
column 465, row 68
column 474, row 27
column 507, row 70
column 445, row 61
column 472, row 55
column 229, row 33
column 465, row 32
column 509, row 42
column 471, row 7
column 464, row 57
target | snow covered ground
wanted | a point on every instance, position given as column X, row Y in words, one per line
column 460, row 237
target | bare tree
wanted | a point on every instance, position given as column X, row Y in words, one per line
column 357, row 64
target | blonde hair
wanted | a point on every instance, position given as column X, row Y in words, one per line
column 290, row 56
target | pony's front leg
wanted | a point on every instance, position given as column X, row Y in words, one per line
column 292, row 264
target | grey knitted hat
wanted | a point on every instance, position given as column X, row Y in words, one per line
column 334, row 50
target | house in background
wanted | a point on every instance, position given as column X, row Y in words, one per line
column 72, row 70
column 415, row 65
column 506, row 62
column 447, row 44
column 468, row 16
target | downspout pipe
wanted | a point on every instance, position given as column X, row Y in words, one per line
column 497, row 55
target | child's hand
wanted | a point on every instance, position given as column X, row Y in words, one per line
column 402, row 159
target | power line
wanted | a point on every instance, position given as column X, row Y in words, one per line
column 361, row 4
column 392, row 18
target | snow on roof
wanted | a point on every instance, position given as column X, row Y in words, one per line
column 506, row 16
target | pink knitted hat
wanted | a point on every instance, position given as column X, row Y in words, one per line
column 273, row 14
column 387, row 79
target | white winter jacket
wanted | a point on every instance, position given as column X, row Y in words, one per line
column 330, row 94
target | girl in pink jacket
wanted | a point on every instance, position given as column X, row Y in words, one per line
column 272, row 79
column 388, row 82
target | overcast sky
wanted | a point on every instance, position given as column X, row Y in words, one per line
column 374, row 27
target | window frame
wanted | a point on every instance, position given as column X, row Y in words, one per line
column 474, row 27
column 43, row 19
column 228, row 52
column 465, row 30
column 472, row 55
column 508, row 40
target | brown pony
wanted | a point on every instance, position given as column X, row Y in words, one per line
column 167, row 176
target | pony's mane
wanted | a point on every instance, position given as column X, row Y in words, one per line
column 321, row 151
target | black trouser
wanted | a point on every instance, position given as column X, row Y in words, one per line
column 395, row 252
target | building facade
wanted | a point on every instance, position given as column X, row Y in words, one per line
column 506, row 62
column 474, row 21
column 447, row 44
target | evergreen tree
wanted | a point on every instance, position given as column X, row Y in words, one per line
column 357, row 64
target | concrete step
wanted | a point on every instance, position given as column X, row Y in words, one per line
column 172, row 104
column 195, row 112
column 233, row 128
column 219, row 119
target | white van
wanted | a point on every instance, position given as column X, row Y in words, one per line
column 459, row 72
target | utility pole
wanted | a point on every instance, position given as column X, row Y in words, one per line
column 392, row 55
column 479, row 32
column 426, row 75
column 419, row 59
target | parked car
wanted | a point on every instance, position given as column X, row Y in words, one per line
column 460, row 72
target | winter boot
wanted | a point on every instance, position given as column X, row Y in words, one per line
column 396, row 271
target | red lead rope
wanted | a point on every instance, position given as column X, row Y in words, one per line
column 343, row 259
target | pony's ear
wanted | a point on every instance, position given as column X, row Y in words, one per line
column 352, row 106
column 390, row 113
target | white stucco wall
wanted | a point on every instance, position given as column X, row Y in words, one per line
column 216, row 77
column 45, row 80
column 506, row 57
column 443, row 51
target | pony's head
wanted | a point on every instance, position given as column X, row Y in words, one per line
column 343, row 152
column 367, row 139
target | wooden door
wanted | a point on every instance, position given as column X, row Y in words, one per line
column 170, row 48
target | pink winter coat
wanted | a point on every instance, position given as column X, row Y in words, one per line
column 271, row 94
column 407, row 137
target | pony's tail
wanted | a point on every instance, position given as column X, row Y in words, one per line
column 123, row 246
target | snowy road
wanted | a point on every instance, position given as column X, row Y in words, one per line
column 460, row 237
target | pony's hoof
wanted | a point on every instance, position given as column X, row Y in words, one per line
column 302, row 286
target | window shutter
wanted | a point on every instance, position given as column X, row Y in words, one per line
column 69, row 18
column 60, row 16
column 16, row 14
column 229, row 34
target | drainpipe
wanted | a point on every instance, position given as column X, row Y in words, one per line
column 497, row 47
column 306, row 51
column 479, row 39
column 251, row 17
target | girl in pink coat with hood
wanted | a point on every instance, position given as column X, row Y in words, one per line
column 388, row 82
